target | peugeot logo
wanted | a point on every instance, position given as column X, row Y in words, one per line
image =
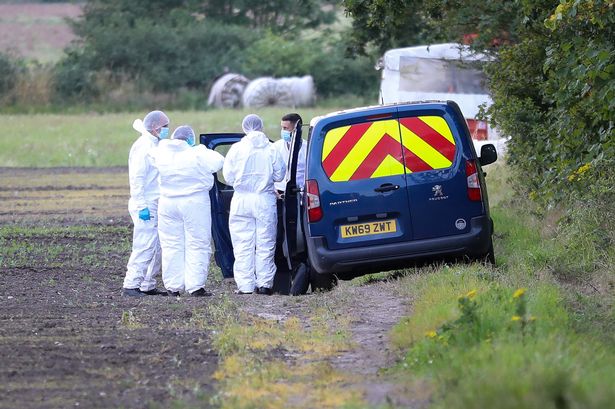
column 437, row 191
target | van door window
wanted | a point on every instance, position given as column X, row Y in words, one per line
column 428, row 143
column 362, row 151
column 375, row 149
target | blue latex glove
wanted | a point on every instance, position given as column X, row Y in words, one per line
column 144, row 214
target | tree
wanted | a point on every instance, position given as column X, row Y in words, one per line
column 385, row 24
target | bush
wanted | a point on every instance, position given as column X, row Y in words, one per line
column 74, row 79
column 8, row 74
column 334, row 73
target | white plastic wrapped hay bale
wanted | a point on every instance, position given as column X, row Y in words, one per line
column 302, row 89
column 227, row 91
column 267, row 91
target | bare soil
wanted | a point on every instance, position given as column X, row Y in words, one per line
column 68, row 339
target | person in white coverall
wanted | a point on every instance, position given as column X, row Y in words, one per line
column 252, row 165
column 144, row 262
column 184, row 211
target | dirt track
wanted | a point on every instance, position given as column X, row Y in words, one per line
column 69, row 339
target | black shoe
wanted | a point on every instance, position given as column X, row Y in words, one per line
column 201, row 292
column 173, row 293
column 155, row 291
column 132, row 292
column 264, row 291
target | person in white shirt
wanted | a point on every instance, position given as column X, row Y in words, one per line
column 145, row 259
column 252, row 165
column 289, row 124
column 184, row 213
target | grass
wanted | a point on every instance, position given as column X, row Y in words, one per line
column 63, row 247
column 266, row 363
column 509, row 337
column 91, row 139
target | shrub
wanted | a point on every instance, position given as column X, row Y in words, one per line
column 334, row 73
column 8, row 74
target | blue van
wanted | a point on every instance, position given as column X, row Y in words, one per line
column 386, row 186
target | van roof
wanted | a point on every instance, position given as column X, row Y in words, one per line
column 317, row 119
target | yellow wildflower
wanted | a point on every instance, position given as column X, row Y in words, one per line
column 519, row 292
column 471, row 294
column 584, row 168
column 431, row 334
column 515, row 318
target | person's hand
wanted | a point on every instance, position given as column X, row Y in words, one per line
column 144, row 214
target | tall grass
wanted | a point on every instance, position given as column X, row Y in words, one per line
column 529, row 333
column 93, row 139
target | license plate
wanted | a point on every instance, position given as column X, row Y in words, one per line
column 368, row 229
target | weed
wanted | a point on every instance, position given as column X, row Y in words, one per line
column 130, row 321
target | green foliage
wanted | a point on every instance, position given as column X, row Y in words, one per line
column 386, row 24
column 74, row 79
column 334, row 73
column 553, row 85
column 500, row 348
column 166, row 47
column 8, row 74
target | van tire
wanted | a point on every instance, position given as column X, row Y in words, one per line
column 322, row 282
column 301, row 281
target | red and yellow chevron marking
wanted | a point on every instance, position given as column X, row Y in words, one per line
column 385, row 148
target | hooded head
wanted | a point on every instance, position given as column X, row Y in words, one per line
column 251, row 123
column 157, row 123
column 185, row 133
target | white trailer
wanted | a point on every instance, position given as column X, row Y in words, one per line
column 438, row 72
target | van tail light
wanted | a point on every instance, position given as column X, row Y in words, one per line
column 478, row 129
column 474, row 193
column 313, row 201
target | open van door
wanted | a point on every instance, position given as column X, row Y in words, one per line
column 292, row 201
column 220, row 196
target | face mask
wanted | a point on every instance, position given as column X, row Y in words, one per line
column 285, row 135
column 164, row 133
column 190, row 141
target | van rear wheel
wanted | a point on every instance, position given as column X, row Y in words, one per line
column 301, row 280
column 322, row 282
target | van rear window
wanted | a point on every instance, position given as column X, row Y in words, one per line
column 386, row 148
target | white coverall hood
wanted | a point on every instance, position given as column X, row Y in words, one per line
column 257, row 139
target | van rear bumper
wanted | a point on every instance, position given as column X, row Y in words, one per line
column 362, row 260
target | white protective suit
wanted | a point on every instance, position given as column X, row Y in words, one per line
column 283, row 148
column 144, row 262
column 251, row 166
column 184, row 212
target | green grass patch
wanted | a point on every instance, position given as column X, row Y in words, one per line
column 527, row 333
column 91, row 139
column 63, row 247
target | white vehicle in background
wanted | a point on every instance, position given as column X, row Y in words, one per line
column 448, row 71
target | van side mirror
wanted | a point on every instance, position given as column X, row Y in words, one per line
column 488, row 154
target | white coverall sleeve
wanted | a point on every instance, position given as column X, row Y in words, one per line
column 138, row 164
column 228, row 169
column 279, row 166
column 213, row 160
